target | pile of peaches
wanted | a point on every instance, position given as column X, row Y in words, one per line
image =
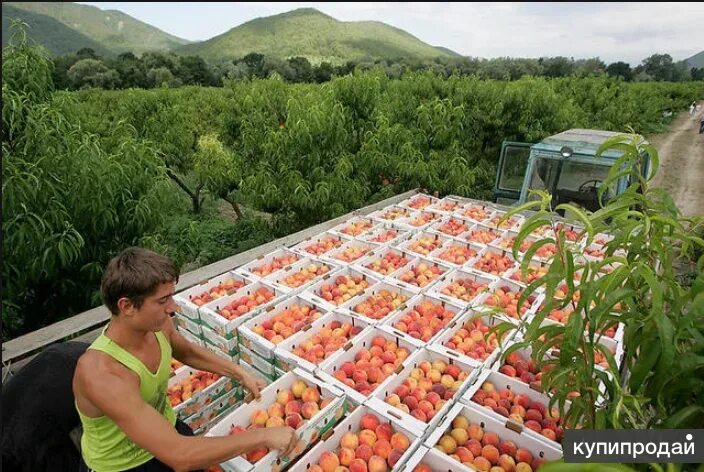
column 224, row 288
column 326, row 341
column 286, row 323
column 276, row 263
column 185, row 389
column 247, row 303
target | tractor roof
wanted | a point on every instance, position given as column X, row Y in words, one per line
column 582, row 141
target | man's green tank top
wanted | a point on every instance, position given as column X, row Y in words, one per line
column 104, row 446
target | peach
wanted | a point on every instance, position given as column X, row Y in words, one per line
column 419, row 415
column 394, row 457
column 259, row 417
column 346, row 456
column 448, row 444
column 256, row 454
column 377, row 464
column 293, row 420
column 357, row 465
column 328, row 461
column 298, row 387
column 464, row 454
column 309, row 410
column 285, row 396
column 460, row 436
column 384, row 431
column 490, row 439
column 523, row 467
column 400, row 441
column 393, row 399
column 549, row 433
column 275, row 421
column 422, row 468
column 475, row 432
column 475, row 447
column 481, row 463
column 534, row 425
column 369, row 421
column 382, row 448
column 349, row 440
column 508, row 447
column 507, row 462
column 276, row 409
column 460, row 422
column 524, row 455
column 368, row 437
column 310, row 394
column 490, row 453
column 292, row 407
column 364, row 452
column 315, row 468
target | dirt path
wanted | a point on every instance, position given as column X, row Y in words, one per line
column 681, row 173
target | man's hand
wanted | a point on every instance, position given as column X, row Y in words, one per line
column 252, row 383
column 282, row 438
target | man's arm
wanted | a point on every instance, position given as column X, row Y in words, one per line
column 117, row 396
column 201, row 358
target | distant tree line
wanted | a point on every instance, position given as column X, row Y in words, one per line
column 86, row 69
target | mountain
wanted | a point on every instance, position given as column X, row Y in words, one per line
column 58, row 38
column 315, row 35
column 447, row 51
column 114, row 30
column 697, row 60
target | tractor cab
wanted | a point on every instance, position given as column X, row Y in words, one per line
column 565, row 165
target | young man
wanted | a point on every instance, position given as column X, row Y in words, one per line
column 120, row 383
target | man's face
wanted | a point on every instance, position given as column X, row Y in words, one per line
column 157, row 307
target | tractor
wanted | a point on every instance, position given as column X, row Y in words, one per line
column 565, row 165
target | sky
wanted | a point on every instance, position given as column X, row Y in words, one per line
column 628, row 32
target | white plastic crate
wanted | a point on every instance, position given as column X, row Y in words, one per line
column 422, row 219
column 392, row 214
column 416, row 263
column 286, row 360
column 481, row 235
column 385, row 234
column 445, row 205
column 190, row 337
column 304, row 247
column 258, row 343
column 184, row 299
column 441, row 255
column 363, row 248
column 419, row 202
column 485, row 281
column 307, row 432
column 201, row 398
column 377, row 399
column 251, row 358
column 326, row 370
column 208, row 416
column 314, row 294
column 504, row 382
column 390, row 324
column 278, row 259
column 434, row 241
column 540, row 450
column 513, row 223
column 351, row 425
column 488, row 301
column 228, row 328
column 507, row 261
column 375, row 318
column 450, row 226
column 514, row 275
column 183, row 322
column 278, row 278
column 475, row 211
column 439, row 344
column 355, row 227
column 229, row 347
column 363, row 264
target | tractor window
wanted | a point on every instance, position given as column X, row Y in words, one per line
column 579, row 183
column 513, row 170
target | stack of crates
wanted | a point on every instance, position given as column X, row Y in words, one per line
column 360, row 347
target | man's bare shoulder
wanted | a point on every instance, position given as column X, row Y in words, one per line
column 96, row 366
